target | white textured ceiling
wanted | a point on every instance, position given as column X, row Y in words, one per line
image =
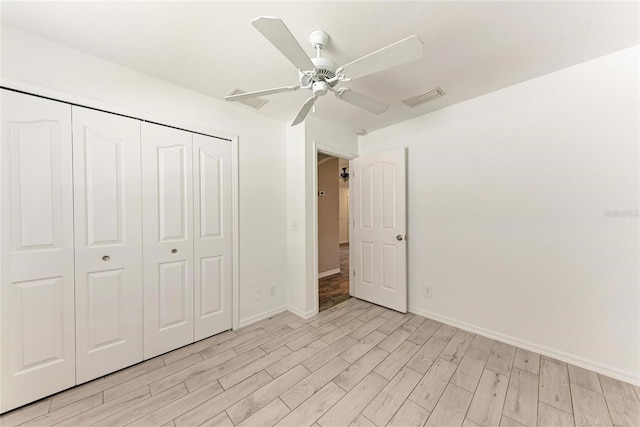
column 470, row 48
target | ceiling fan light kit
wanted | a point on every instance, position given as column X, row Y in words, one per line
column 320, row 75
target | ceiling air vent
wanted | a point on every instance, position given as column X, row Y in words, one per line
column 256, row 103
column 425, row 97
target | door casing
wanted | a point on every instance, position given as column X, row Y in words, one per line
column 335, row 152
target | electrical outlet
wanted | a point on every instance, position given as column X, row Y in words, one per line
column 272, row 291
column 256, row 294
column 426, row 292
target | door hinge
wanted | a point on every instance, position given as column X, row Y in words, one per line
column 354, row 273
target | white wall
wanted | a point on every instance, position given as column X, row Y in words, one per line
column 262, row 146
column 301, row 206
column 507, row 196
column 330, row 135
column 296, row 221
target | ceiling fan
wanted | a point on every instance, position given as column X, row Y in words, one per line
column 320, row 75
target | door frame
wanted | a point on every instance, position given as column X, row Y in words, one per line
column 335, row 152
column 84, row 101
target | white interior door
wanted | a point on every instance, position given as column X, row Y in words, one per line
column 212, row 235
column 167, row 207
column 36, row 296
column 379, row 229
column 108, row 242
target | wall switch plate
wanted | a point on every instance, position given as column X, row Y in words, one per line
column 426, row 292
column 256, row 294
column 272, row 291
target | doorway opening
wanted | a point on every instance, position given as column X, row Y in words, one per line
column 333, row 230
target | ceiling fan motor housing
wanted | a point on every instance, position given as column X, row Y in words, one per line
column 325, row 70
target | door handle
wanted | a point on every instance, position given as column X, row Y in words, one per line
column 173, row 251
column 400, row 237
column 106, row 258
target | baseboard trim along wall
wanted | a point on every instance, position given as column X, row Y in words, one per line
column 266, row 314
column 545, row 351
column 328, row 273
column 300, row 313
column 261, row 316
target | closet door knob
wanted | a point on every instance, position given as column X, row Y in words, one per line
column 106, row 258
column 173, row 251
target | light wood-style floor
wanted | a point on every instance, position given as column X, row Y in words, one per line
column 355, row 364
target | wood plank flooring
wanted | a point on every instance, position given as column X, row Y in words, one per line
column 334, row 289
column 355, row 364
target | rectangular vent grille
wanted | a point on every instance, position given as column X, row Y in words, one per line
column 256, row 103
column 425, row 97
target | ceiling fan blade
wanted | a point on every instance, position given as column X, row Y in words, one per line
column 247, row 95
column 306, row 107
column 279, row 35
column 395, row 54
column 358, row 99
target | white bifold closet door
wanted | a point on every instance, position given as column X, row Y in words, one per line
column 212, row 235
column 167, row 201
column 108, row 242
column 36, row 296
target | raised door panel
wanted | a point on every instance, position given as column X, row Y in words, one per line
column 172, row 198
column 168, row 238
column 211, row 286
column 36, row 282
column 108, row 242
column 365, row 200
column 389, row 199
column 38, row 317
column 173, row 290
column 213, row 244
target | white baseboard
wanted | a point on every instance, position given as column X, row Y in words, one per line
column 269, row 313
column 600, row 368
column 328, row 273
column 261, row 316
column 300, row 313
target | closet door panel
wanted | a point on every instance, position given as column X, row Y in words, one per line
column 108, row 235
column 212, row 235
column 37, row 340
column 168, row 238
